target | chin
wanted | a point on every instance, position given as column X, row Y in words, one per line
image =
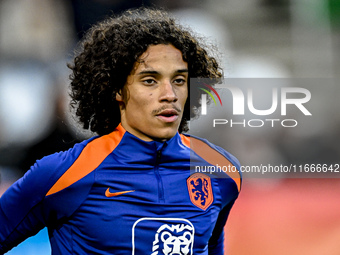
column 166, row 134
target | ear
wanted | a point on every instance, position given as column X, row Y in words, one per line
column 119, row 96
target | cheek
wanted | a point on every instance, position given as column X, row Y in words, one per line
column 142, row 103
column 183, row 95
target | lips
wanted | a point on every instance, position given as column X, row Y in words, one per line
column 168, row 115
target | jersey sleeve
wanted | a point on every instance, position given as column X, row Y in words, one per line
column 229, row 182
column 216, row 242
column 23, row 211
column 229, row 194
column 20, row 208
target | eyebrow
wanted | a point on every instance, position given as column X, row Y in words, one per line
column 155, row 72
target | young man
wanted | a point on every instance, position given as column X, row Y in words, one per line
column 130, row 189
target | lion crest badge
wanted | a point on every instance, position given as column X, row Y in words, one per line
column 200, row 190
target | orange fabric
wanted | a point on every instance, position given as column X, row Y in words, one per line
column 200, row 191
column 185, row 140
column 90, row 158
column 212, row 156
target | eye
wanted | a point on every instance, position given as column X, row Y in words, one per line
column 149, row 82
column 179, row 81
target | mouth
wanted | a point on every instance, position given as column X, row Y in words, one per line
column 168, row 115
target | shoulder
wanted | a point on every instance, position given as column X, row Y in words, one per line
column 46, row 171
column 216, row 156
column 82, row 159
column 29, row 191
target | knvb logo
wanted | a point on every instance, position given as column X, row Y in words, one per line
column 200, row 190
column 239, row 99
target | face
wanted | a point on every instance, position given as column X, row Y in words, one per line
column 153, row 98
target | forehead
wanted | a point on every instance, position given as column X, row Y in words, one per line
column 161, row 54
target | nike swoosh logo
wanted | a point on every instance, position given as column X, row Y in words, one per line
column 109, row 194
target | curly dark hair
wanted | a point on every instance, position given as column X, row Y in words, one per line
column 108, row 53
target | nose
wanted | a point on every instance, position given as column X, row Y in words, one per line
column 168, row 92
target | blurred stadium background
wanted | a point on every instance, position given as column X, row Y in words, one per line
column 256, row 38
